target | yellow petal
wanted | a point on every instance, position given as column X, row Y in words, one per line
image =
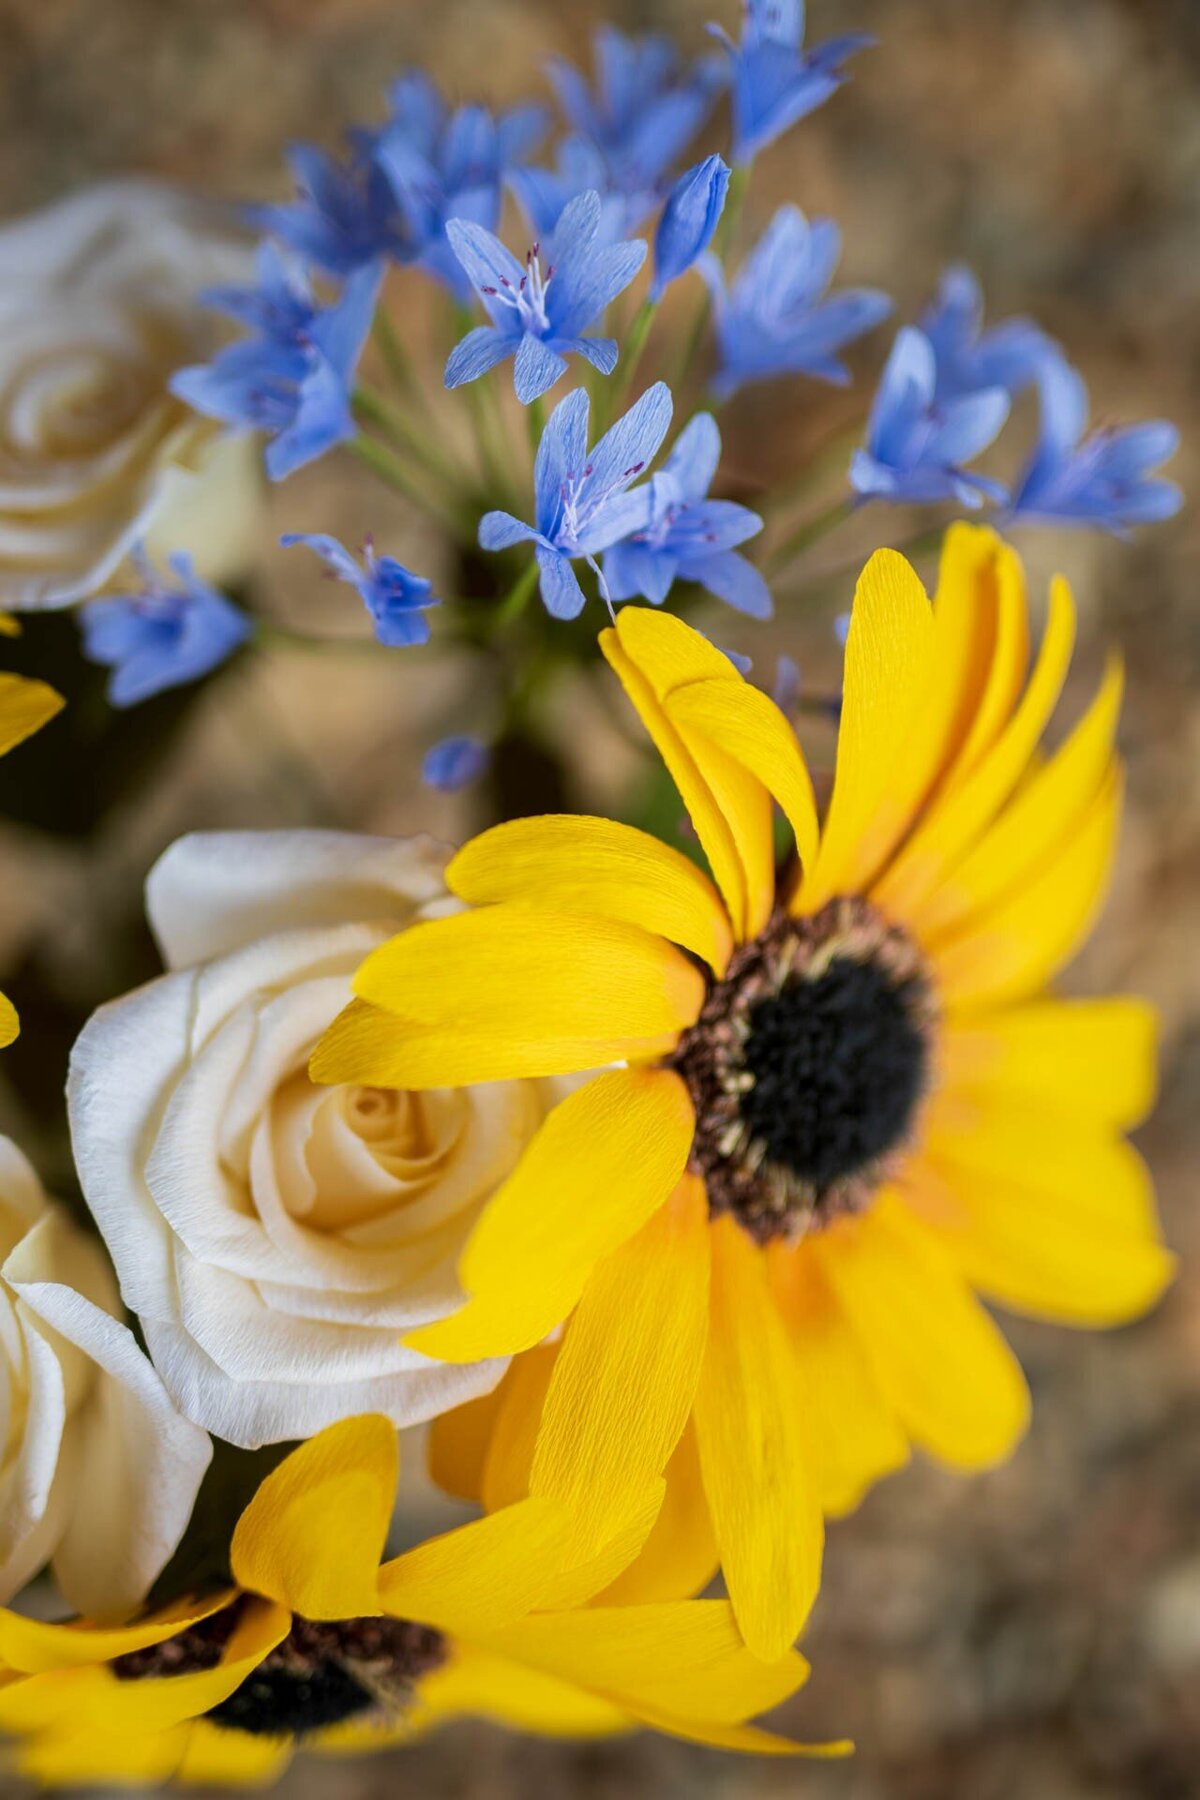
column 683, row 1659
column 216, row 1758
column 680, row 1556
column 887, row 652
column 761, row 1493
column 478, row 1684
column 595, row 866
column 604, row 1160
column 1011, row 950
column 653, row 654
column 314, row 1532
column 743, row 721
column 1030, row 830
column 518, row 1419
column 483, row 1575
column 33, row 1646
column 941, row 1362
column 90, row 1757
column 1094, row 1059
column 960, row 817
column 159, row 1703
column 457, row 1445
column 1048, row 1216
column 624, row 1381
column 10, row 1025
column 745, row 1740
column 25, row 706
column 976, row 557
column 852, row 1433
column 9, row 625
column 505, row 992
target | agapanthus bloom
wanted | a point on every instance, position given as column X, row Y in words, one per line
column 834, row 1102
column 581, row 500
column 777, row 317
column 917, row 446
column 689, row 219
column 776, row 82
column 644, row 112
column 345, row 214
column 319, row 1641
column 689, row 537
column 396, row 599
column 292, row 379
column 163, row 634
column 1011, row 355
column 454, row 763
column 540, row 311
column 1103, row 477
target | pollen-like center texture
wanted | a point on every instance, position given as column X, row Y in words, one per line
column 806, row 1068
column 323, row 1672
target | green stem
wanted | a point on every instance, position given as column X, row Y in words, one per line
column 396, row 358
column 827, row 457
column 389, row 468
column 731, row 216
column 517, row 597
column 535, row 420
column 281, row 637
column 691, row 342
column 808, row 534
column 635, row 343
column 395, row 424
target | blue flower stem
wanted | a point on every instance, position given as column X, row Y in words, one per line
column 614, row 395
column 398, row 362
column 394, row 424
column 807, row 535
column 690, row 343
column 731, row 216
column 830, row 455
column 388, row 466
column 282, row 637
column 535, row 420
column 517, row 597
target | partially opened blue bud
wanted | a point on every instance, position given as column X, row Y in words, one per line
column 688, row 222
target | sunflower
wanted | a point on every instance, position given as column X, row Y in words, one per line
column 317, row 1641
column 25, row 706
column 842, row 1105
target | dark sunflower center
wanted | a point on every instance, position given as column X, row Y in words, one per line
column 323, row 1672
column 806, row 1068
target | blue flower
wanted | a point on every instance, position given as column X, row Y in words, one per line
column 1102, row 478
column 969, row 359
column 543, row 193
column 444, row 166
column 164, row 635
column 292, row 380
column 916, row 447
column 688, row 221
column 775, row 82
column 344, row 214
column 581, row 503
column 395, row 598
column 644, row 111
column 688, row 536
column 538, row 316
column 455, row 763
column 775, row 319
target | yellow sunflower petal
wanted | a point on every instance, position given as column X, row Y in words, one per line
column 314, row 1532
column 757, row 1475
column 1011, row 950
column 852, row 1433
column 34, row 1646
column 89, row 1757
column 743, row 721
column 595, row 866
column 505, row 992
column 887, row 655
column 684, row 1659
column 478, row 1684
column 480, row 1577
column 216, row 1758
column 518, row 1419
column 745, row 1740
column 944, row 1366
column 159, row 1703
column 983, row 566
column 1030, row 829
column 626, row 1375
column 457, row 1445
column 962, row 815
column 680, row 1556
column 1093, row 1059
column 10, row 1025
column 604, row 1160
column 25, row 706
column 729, row 809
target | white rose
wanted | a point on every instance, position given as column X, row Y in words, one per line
column 277, row 1238
column 98, row 1472
column 98, row 307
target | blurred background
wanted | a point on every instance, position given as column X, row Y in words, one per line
column 1033, row 1632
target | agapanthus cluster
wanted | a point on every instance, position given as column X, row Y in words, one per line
column 664, row 1176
